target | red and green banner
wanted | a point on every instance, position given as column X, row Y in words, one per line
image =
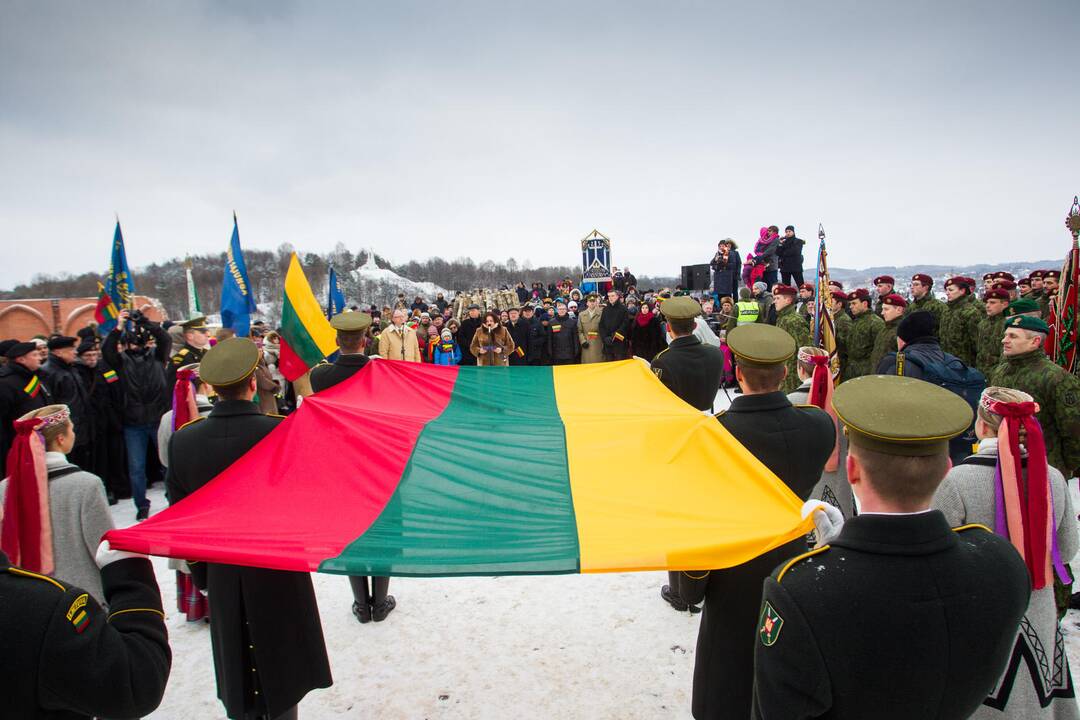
column 306, row 336
column 1066, row 307
column 418, row 470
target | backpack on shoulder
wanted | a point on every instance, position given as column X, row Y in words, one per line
column 958, row 378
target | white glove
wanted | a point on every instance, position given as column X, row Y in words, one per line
column 828, row 520
column 106, row 555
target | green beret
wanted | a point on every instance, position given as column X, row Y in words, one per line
column 758, row 345
column 900, row 415
column 197, row 322
column 1026, row 322
column 1021, row 306
column 229, row 362
column 681, row 308
column 351, row 321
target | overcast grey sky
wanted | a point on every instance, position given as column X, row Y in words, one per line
column 936, row 131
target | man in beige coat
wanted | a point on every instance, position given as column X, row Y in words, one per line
column 398, row 342
column 592, row 349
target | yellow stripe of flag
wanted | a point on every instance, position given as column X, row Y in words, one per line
column 298, row 293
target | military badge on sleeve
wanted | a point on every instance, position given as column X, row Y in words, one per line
column 769, row 625
column 658, row 372
column 76, row 614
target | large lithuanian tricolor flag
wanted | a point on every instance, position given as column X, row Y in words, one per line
column 410, row 469
column 306, row 336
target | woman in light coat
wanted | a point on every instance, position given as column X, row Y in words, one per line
column 491, row 343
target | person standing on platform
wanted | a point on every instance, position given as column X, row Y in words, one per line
column 266, row 637
column 369, row 603
column 899, row 616
column 794, row 443
column 790, row 254
column 726, row 267
column 693, row 372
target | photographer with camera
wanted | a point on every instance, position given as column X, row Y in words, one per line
column 139, row 356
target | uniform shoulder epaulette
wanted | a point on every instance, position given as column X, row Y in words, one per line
column 191, row 422
column 806, row 405
column 797, row 558
column 179, row 356
column 972, row 526
column 35, row 576
column 657, row 357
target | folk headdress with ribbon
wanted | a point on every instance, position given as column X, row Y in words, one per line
column 26, row 527
column 184, row 406
column 1024, row 512
column 821, row 391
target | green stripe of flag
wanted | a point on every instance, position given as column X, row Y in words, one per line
column 297, row 336
column 446, row 518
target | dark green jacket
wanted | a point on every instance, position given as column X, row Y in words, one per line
column 790, row 321
column 884, row 343
column 959, row 330
column 860, row 344
column 929, row 303
column 988, row 349
column 1058, row 395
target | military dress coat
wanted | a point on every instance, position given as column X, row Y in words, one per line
column 267, row 640
column 186, row 355
column 793, row 442
column 691, row 370
column 959, row 331
column 592, row 349
column 789, row 321
column 1058, row 395
column 20, row 392
column 899, row 618
column 326, row 375
column 860, row 345
column 63, row 656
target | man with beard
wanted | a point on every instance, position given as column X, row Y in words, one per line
column 466, row 332
column 146, row 396
column 1049, row 288
column 614, row 327
column 67, row 388
column 794, row 443
column 21, row 390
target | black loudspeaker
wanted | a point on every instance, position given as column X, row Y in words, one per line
column 696, row 277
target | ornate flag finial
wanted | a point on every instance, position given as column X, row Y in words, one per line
column 1073, row 220
column 820, row 231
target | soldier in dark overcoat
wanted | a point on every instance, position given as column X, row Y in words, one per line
column 899, row 616
column 794, row 443
column 22, row 389
column 196, row 343
column 267, row 640
column 369, row 602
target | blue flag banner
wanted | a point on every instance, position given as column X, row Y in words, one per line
column 335, row 298
column 119, row 285
column 237, row 299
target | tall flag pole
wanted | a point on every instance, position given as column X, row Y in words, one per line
column 119, row 286
column 824, row 327
column 1066, row 309
column 237, row 299
column 335, row 298
column 194, row 308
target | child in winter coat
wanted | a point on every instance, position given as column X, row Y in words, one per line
column 447, row 351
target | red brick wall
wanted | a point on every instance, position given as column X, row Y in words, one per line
column 23, row 319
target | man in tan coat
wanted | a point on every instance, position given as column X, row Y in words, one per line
column 592, row 349
column 398, row 342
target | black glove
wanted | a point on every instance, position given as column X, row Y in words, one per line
column 585, row 344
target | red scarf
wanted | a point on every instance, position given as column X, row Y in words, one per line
column 26, row 535
column 644, row 316
column 1028, row 510
column 184, row 408
column 821, row 391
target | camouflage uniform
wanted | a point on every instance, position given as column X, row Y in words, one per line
column 842, row 324
column 789, row 320
column 959, row 328
column 884, row 343
column 1058, row 395
column 988, row 349
column 860, row 345
column 928, row 303
column 806, row 312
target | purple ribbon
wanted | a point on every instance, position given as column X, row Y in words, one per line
column 1001, row 524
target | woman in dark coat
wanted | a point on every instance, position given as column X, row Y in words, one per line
column 726, row 268
column 646, row 333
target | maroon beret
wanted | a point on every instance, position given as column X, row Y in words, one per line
column 1004, row 285
column 807, row 286
column 959, row 281
column 1036, row 274
column 923, row 278
column 1051, row 274
column 785, row 290
column 859, row 294
column 895, row 300
column 1024, row 281
column 839, row 295
column 836, row 284
column 1002, row 275
column 988, row 276
column 997, row 293
column 889, row 279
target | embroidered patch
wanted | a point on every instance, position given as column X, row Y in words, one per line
column 769, row 625
column 76, row 614
column 1069, row 398
column 32, row 387
column 659, row 372
column 110, row 376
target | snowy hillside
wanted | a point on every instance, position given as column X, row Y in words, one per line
column 379, row 286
